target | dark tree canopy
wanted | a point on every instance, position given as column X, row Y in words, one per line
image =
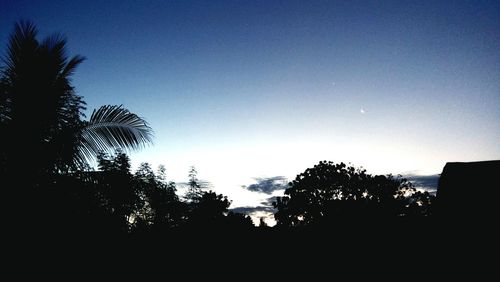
column 162, row 207
column 40, row 118
column 331, row 192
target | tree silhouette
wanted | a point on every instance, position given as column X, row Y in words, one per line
column 121, row 196
column 41, row 115
column 210, row 207
column 162, row 208
column 194, row 192
column 329, row 193
column 40, row 111
column 238, row 221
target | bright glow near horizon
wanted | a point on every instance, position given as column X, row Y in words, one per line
column 229, row 168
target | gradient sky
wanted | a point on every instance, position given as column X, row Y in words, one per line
column 245, row 89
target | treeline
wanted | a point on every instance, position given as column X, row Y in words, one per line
column 115, row 200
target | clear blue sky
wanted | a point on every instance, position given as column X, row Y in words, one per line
column 246, row 89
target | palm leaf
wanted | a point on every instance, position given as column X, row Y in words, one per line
column 111, row 128
column 71, row 66
column 21, row 42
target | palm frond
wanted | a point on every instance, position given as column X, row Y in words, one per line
column 71, row 65
column 54, row 48
column 22, row 44
column 111, row 128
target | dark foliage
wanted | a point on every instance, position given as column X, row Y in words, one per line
column 330, row 193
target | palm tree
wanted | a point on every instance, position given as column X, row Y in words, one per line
column 41, row 116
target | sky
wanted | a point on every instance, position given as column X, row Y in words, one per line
column 259, row 89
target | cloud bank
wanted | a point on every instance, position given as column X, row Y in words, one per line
column 268, row 185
